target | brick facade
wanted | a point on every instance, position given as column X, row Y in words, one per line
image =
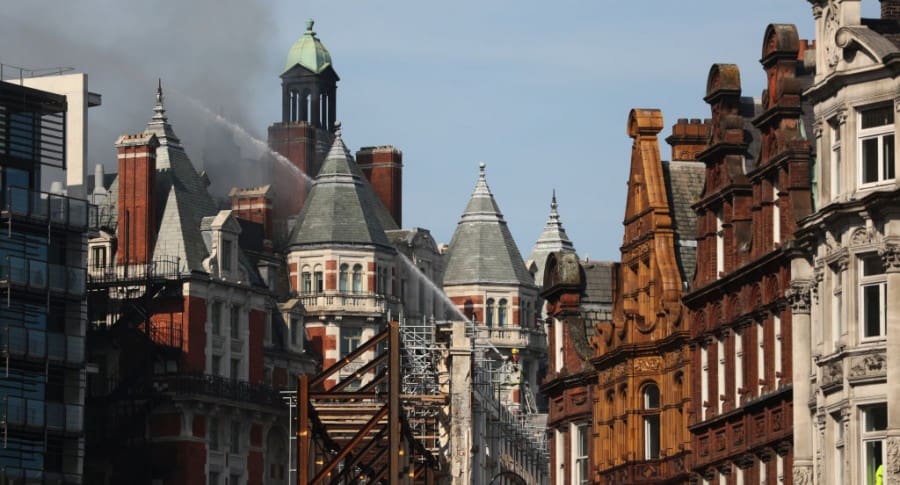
column 383, row 166
column 137, row 200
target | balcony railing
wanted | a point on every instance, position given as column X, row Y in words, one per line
column 40, row 275
column 220, row 388
column 518, row 337
column 44, row 207
column 164, row 269
column 349, row 302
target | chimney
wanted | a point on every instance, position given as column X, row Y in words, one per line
column 137, row 199
column 688, row 138
column 383, row 166
column 254, row 205
column 890, row 9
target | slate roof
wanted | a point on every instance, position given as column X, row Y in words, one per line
column 684, row 184
column 482, row 249
column 182, row 200
column 552, row 239
column 341, row 207
column 598, row 283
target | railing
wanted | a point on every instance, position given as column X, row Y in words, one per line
column 219, row 387
column 163, row 269
column 41, row 275
column 352, row 302
column 22, row 342
column 518, row 337
column 44, row 207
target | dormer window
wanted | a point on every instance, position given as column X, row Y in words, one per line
column 876, row 146
column 226, row 254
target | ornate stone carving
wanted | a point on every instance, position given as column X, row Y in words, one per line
column 802, row 475
column 890, row 255
column 832, row 55
column 892, row 468
column 832, row 375
column 862, row 236
column 868, row 366
column 648, row 364
column 799, row 296
column 819, row 128
column 818, row 277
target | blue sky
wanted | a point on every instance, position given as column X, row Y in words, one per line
column 539, row 91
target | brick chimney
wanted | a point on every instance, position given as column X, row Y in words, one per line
column 890, row 9
column 137, row 199
column 255, row 205
column 383, row 166
column 688, row 138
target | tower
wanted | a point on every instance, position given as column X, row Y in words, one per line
column 308, row 110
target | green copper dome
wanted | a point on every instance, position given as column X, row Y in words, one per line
column 309, row 52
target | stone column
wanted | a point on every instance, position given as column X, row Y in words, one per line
column 890, row 255
column 799, row 296
column 460, row 405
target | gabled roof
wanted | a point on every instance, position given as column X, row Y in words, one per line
column 482, row 250
column 341, row 207
column 553, row 238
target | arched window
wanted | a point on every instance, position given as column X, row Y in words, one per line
column 489, row 312
column 357, row 278
column 651, row 421
column 501, row 312
column 319, row 279
column 343, row 276
column 306, row 281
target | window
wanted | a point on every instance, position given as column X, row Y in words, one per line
column 98, row 256
column 234, row 479
column 651, row 422
column 236, row 369
column 776, row 323
column 837, row 305
column 295, row 331
column 557, row 345
column 215, row 478
column 306, row 278
column 489, row 312
column 226, row 255
column 720, row 372
column 738, row 367
column 874, row 424
column 761, row 357
column 558, row 440
column 343, row 276
column 582, row 436
column 320, row 279
column 235, row 437
column 872, row 289
column 350, row 339
column 835, row 160
column 235, row 321
column 501, row 312
column 216, row 317
column 704, row 380
column 213, row 434
column 776, row 214
column 216, row 365
column 357, row 278
column 876, row 145
column 720, row 243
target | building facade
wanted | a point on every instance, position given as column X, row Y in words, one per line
column 757, row 186
column 42, row 277
column 641, row 396
column 847, row 279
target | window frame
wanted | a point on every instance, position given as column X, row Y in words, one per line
column 867, row 437
column 879, row 281
column 343, row 277
column 581, row 439
column 350, row 341
column 835, row 162
column 879, row 132
column 651, row 420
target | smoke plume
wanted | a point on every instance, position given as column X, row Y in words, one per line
column 213, row 51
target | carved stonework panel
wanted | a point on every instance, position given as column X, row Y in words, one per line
column 799, row 295
column 832, row 376
column 648, row 364
column 867, row 366
column 863, row 236
column 890, row 255
column 832, row 52
column 802, row 475
column 892, row 468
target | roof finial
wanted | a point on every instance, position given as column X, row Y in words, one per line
column 309, row 24
column 481, row 168
column 159, row 94
column 337, row 129
column 159, row 112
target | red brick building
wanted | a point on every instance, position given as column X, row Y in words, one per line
column 757, row 187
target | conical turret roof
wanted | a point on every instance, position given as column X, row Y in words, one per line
column 341, row 207
column 482, row 250
column 552, row 239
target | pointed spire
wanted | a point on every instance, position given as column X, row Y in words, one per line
column 159, row 122
column 159, row 111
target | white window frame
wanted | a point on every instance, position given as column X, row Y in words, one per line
column 720, row 243
column 704, row 379
column 652, row 431
column 776, row 214
column 876, row 132
column 580, row 462
column 835, row 159
column 720, row 372
column 879, row 281
column 761, row 356
column 837, row 306
column 777, row 327
column 557, row 345
column 867, row 437
column 738, row 366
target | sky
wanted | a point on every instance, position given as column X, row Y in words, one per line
column 538, row 91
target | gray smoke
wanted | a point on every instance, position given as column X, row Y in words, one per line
column 211, row 50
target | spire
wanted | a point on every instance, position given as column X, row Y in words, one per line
column 159, row 122
column 552, row 239
column 482, row 205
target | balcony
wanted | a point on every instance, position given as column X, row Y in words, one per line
column 515, row 337
column 40, row 276
column 159, row 270
column 218, row 387
column 337, row 302
column 42, row 208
